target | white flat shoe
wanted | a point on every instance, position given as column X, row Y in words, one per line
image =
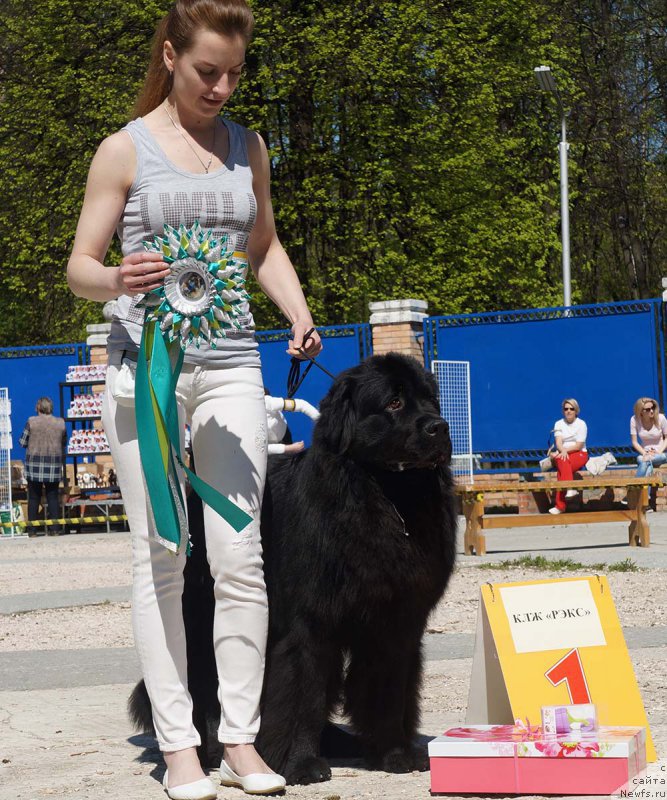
column 203, row 789
column 571, row 493
column 555, row 510
column 256, row 783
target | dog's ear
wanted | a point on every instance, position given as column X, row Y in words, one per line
column 335, row 428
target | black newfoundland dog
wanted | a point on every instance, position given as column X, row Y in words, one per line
column 359, row 543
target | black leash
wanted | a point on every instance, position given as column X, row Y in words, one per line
column 294, row 377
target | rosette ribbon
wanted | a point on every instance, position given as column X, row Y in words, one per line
column 200, row 299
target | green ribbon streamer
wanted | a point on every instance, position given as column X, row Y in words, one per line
column 159, row 442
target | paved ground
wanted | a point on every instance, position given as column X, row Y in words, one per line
column 63, row 729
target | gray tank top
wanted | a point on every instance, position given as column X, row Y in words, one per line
column 222, row 201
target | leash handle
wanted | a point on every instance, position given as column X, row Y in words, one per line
column 294, row 376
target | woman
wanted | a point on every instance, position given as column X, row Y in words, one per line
column 179, row 163
column 45, row 439
column 648, row 432
column 570, row 442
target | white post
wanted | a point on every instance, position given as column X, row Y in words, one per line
column 563, row 147
column 547, row 83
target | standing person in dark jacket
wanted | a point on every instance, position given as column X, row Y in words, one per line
column 44, row 438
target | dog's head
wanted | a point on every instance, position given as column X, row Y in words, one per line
column 385, row 412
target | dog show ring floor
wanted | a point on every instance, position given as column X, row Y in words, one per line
column 67, row 660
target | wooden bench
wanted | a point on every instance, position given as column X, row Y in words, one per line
column 472, row 501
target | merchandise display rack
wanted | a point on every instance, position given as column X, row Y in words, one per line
column 83, row 422
column 90, row 496
column 6, row 507
column 74, row 423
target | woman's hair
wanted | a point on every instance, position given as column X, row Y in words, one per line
column 44, row 405
column 186, row 17
column 640, row 404
column 571, row 401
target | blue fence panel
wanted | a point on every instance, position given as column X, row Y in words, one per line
column 33, row 372
column 344, row 346
column 523, row 363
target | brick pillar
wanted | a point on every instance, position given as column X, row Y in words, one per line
column 396, row 324
column 97, row 341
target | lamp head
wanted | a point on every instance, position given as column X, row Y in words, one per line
column 545, row 79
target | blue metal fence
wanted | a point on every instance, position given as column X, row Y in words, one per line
column 33, row 372
column 523, row 363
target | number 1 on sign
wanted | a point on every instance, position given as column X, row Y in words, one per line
column 570, row 670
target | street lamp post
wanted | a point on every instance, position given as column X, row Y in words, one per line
column 547, row 83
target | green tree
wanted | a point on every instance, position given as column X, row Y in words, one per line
column 411, row 152
column 407, row 150
column 619, row 125
column 68, row 75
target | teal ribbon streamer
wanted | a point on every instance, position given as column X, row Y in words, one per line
column 159, row 443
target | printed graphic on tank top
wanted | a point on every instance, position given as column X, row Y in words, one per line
column 164, row 194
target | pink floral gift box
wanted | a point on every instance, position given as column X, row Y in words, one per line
column 522, row 759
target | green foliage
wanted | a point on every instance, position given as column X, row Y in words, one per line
column 399, row 134
column 68, row 76
column 619, row 130
column 412, row 154
column 543, row 564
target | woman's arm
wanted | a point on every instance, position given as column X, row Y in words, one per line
column 637, row 446
column 561, row 452
column 268, row 259
column 110, row 176
column 662, row 425
column 25, row 436
column 581, row 431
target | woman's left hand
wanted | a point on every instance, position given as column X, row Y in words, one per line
column 305, row 336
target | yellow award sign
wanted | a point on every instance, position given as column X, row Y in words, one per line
column 547, row 643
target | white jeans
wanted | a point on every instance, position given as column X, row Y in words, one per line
column 225, row 408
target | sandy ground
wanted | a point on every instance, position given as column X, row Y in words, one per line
column 56, row 563
column 76, row 743
column 38, row 567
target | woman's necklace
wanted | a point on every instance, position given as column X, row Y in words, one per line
column 183, row 136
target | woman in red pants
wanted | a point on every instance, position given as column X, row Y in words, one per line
column 570, row 455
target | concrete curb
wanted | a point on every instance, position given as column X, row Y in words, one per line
column 28, row 670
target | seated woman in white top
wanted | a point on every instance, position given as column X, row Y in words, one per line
column 648, row 432
column 570, row 434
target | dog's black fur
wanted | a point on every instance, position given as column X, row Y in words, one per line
column 359, row 541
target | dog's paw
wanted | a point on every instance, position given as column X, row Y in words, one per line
column 396, row 760
column 308, row 770
column 420, row 759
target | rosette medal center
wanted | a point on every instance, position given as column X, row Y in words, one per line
column 189, row 287
column 204, row 295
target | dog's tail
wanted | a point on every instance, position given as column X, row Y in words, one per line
column 139, row 709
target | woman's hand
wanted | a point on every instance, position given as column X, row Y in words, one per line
column 295, row 447
column 311, row 344
column 138, row 273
